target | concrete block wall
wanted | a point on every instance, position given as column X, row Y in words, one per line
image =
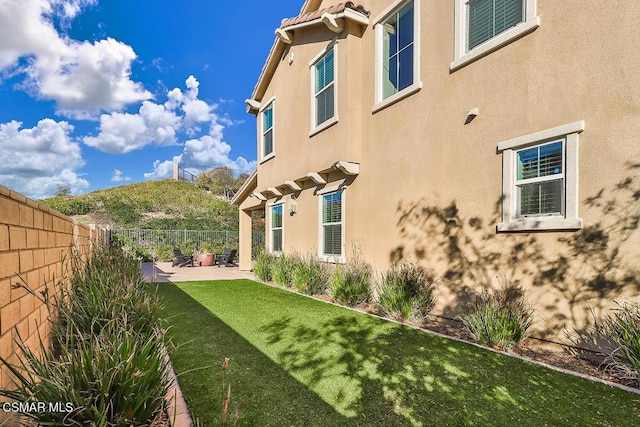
column 36, row 249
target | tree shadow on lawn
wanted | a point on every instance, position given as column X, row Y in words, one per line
column 272, row 396
column 377, row 367
column 315, row 364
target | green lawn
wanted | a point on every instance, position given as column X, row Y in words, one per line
column 301, row 362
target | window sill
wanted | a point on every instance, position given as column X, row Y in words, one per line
column 332, row 259
column 495, row 43
column 540, row 224
column 324, row 125
column 407, row 91
column 268, row 157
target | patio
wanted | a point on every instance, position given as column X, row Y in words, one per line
column 165, row 272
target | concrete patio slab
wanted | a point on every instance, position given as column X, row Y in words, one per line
column 165, row 272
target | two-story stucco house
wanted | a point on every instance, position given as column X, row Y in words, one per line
column 480, row 138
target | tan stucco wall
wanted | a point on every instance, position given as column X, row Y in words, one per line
column 429, row 186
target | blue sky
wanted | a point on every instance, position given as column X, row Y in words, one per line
column 100, row 93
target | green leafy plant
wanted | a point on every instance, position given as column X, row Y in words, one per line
column 351, row 284
column 212, row 247
column 310, row 276
column 105, row 357
column 622, row 328
column 499, row 318
column 262, row 266
column 282, row 269
column 112, row 378
column 406, row 292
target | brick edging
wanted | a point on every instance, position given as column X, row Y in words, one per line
column 177, row 409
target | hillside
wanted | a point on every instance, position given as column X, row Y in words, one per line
column 165, row 204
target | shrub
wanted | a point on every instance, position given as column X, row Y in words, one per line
column 262, row 266
column 109, row 289
column 406, row 292
column 113, row 378
column 106, row 357
column 499, row 318
column 282, row 269
column 350, row 284
column 622, row 328
column 310, row 275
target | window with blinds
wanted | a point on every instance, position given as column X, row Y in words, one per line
column 540, row 180
column 332, row 224
column 398, row 51
column 488, row 18
column 276, row 228
column 267, row 130
column 324, row 88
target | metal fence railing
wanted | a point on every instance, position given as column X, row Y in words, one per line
column 185, row 175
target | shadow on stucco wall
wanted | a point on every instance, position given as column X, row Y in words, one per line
column 572, row 275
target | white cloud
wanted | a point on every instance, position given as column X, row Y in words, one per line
column 36, row 160
column 208, row 150
column 154, row 124
column 81, row 77
column 162, row 169
column 123, row 132
column 196, row 111
column 118, row 176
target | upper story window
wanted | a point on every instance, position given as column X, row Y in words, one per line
column 488, row 18
column 483, row 26
column 397, row 53
column 324, row 89
column 267, row 140
column 540, row 180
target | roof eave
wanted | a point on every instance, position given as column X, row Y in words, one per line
column 283, row 38
column 245, row 189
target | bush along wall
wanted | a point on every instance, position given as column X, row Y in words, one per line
column 499, row 317
column 104, row 361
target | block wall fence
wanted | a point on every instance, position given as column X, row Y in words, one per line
column 36, row 248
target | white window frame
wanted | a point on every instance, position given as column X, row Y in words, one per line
column 266, row 156
column 341, row 259
column 315, row 127
column 569, row 219
column 271, row 229
column 463, row 57
column 378, row 22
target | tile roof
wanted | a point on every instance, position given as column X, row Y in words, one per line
column 337, row 8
